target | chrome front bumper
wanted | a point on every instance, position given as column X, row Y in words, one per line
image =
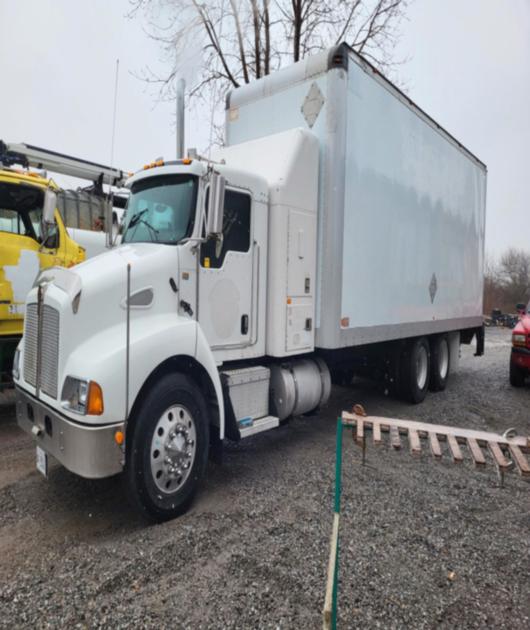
column 88, row 451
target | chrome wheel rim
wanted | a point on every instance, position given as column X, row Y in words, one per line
column 443, row 359
column 173, row 449
column 422, row 367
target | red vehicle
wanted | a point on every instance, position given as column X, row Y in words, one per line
column 520, row 357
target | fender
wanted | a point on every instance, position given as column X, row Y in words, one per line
column 102, row 358
column 205, row 357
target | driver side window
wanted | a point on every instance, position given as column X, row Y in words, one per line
column 11, row 221
column 236, row 230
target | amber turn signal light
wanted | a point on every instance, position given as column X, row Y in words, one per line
column 94, row 400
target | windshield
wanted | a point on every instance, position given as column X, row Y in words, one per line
column 21, row 210
column 161, row 209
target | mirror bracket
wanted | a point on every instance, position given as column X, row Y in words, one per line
column 216, row 201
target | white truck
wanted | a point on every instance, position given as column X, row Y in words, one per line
column 340, row 230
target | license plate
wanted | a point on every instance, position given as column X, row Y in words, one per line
column 42, row 461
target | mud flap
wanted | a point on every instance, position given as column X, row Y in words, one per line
column 479, row 336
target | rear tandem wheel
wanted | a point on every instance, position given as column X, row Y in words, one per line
column 414, row 370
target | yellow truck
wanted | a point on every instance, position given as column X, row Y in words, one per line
column 33, row 235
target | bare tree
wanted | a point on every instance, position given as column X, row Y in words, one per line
column 232, row 42
column 515, row 275
column 493, row 290
column 507, row 282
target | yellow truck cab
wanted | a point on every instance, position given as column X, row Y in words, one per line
column 33, row 232
column 25, row 249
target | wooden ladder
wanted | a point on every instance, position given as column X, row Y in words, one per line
column 507, row 451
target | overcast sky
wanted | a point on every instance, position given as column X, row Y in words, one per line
column 469, row 67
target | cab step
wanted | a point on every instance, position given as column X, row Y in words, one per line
column 259, row 425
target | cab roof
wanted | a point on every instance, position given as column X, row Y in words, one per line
column 21, row 176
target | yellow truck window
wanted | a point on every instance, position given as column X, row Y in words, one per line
column 21, row 210
column 11, row 221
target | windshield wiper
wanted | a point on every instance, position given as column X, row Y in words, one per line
column 152, row 230
column 136, row 218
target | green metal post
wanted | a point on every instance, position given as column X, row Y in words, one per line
column 338, row 465
column 338, row 484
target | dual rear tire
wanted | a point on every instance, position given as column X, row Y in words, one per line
column 423, row 365
column 439, row 363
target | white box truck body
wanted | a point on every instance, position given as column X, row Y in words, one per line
column 401, row 204
column 340, row 231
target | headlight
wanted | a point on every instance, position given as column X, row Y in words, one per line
column 82, row 396
column 16, row 365
column 519, row 340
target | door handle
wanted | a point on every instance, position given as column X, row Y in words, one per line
column 185, row 306
column 244, row 324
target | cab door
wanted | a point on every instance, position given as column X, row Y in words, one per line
column 225, row 277
column 21, row 259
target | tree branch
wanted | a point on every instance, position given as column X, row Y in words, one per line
column 240, row 40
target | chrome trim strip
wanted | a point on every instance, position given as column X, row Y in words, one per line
column 40, row 300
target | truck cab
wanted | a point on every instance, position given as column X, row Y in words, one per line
column 217, row 274
column 26, row 248
column 167, row 344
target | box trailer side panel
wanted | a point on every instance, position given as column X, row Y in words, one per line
column 414, row 220
column 401, row 203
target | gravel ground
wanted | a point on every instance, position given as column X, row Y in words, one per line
column 252, row 552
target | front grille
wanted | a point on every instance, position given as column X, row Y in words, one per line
column 49, row 350
column 30, row 344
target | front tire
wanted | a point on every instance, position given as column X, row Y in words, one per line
column 167, row 452
column 517, row 375
column 414, row 370
column 439, row 363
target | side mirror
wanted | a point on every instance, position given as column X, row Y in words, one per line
column 216, row 205
column 48, row 208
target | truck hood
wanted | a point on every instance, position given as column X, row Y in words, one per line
column 91, row 304
column 146, row 260
column 104, row 277
column 92, row 296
